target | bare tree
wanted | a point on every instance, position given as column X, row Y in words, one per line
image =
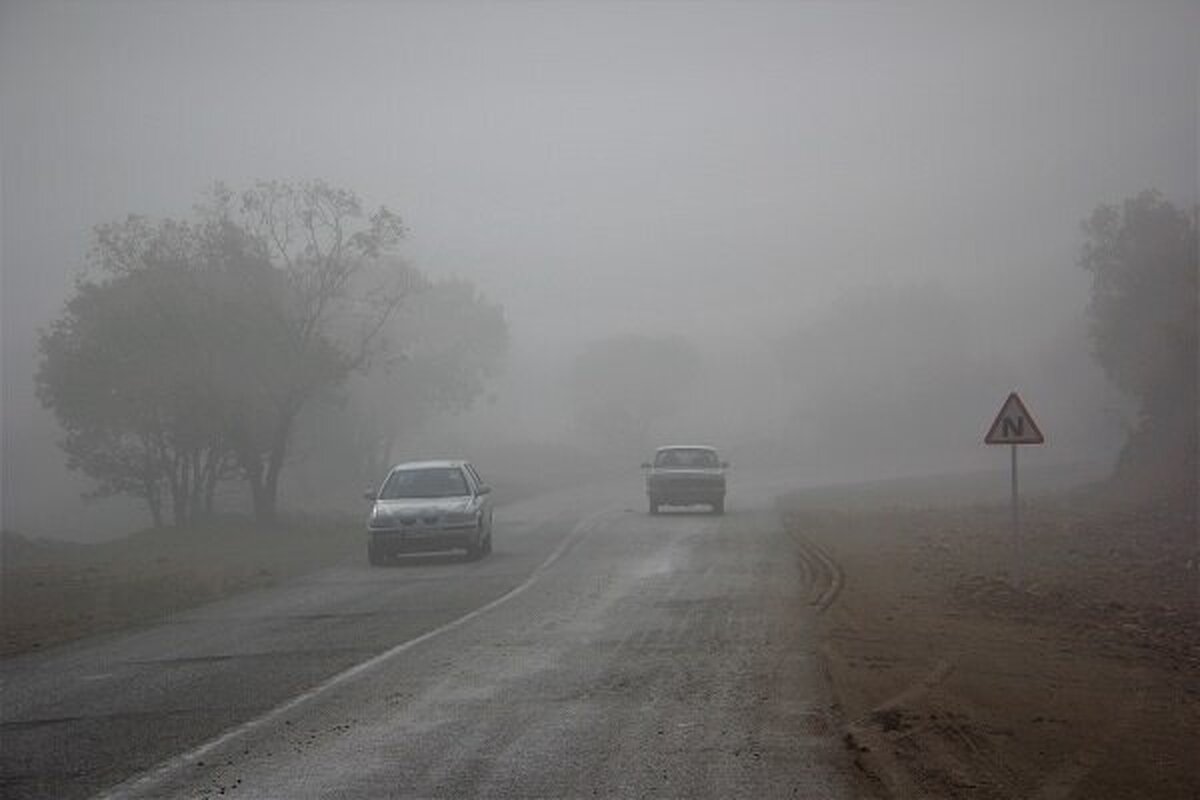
column 337, row 293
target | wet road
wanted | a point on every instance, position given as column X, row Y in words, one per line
column 599, row 652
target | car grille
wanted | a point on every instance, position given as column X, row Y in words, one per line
column 411, row 521
column 688, row 481
column 688, row 485
column 430, row 521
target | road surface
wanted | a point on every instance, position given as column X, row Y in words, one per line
column 600, row 652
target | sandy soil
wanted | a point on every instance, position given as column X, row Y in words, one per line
column 53, row 591
column 966, row 667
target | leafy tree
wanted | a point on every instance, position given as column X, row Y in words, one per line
column 205, row 339
column 621, row 387
column 1142, row 256
column 136, row 368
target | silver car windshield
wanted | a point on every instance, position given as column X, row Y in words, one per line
column 430, row 482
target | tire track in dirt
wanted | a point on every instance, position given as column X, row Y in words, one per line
column 952, row 750
column 866, row 735
column 824, row 577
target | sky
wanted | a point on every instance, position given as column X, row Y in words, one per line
column 720, row 171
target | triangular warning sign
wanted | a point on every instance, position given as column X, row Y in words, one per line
column 1014, row 425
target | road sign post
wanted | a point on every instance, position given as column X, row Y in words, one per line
column 1014, row 426
column 1019, row 561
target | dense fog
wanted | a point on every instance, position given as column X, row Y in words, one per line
column 827, row 238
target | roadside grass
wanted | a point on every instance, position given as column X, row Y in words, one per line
column 54, row 591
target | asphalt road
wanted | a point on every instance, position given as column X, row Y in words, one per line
column 599, row 652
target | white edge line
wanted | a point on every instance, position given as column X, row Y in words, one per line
column 131, row 786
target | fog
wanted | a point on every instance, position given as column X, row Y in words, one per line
column 861, row 221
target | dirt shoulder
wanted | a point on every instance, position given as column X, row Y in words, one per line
column 1082, row 679
column 54, row 591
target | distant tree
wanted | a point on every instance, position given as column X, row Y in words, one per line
column 453, row 342
column 885, row 378
column 338, row 294
column 1143, row 259
column 622, row 386
column 136, row 370
column 442, row 349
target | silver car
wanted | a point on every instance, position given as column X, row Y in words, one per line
column 427, row 506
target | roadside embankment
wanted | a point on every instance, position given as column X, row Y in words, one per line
column 966, row 667
column 54, row 591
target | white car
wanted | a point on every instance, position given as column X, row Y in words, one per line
column 427, row 506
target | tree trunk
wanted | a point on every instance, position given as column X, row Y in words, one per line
column 212, row 474
column 380, row 457
column 154, row 501
column 253, row 468
column 179, row 490
column 195, row 487
column 275, row 462
column 150, row 487
column 264, row 494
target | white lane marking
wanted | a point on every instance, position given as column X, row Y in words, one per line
column 132, row 787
